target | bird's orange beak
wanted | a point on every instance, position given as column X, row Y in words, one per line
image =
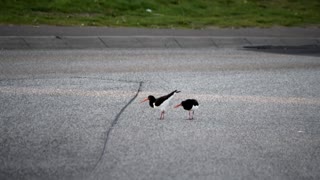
column 144, row 100
column 178, row 105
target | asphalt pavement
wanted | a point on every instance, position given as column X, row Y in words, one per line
column 75, row 112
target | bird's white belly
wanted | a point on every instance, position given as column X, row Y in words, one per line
column 163, row 106
column 194, row 107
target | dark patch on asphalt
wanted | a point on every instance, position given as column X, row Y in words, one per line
column 313, row 49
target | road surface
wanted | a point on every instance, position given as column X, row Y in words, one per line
column 75, row 114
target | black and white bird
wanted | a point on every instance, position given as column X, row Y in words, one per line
column 189, row 105
column 160, row 103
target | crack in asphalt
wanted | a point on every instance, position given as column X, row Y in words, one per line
column 114, row 122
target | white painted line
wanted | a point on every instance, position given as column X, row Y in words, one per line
column 244, row 98
column 64, row 92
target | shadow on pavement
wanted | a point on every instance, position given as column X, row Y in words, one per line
column 304, row 50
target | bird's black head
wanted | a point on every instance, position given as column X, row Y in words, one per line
column 152, row 99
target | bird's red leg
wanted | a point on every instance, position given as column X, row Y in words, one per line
column 162, row 115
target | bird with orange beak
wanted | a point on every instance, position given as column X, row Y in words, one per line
column 189, row 105
column 160, row 103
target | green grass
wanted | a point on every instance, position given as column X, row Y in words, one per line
column 165, row 13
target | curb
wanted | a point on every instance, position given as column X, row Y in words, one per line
column 107, row 42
